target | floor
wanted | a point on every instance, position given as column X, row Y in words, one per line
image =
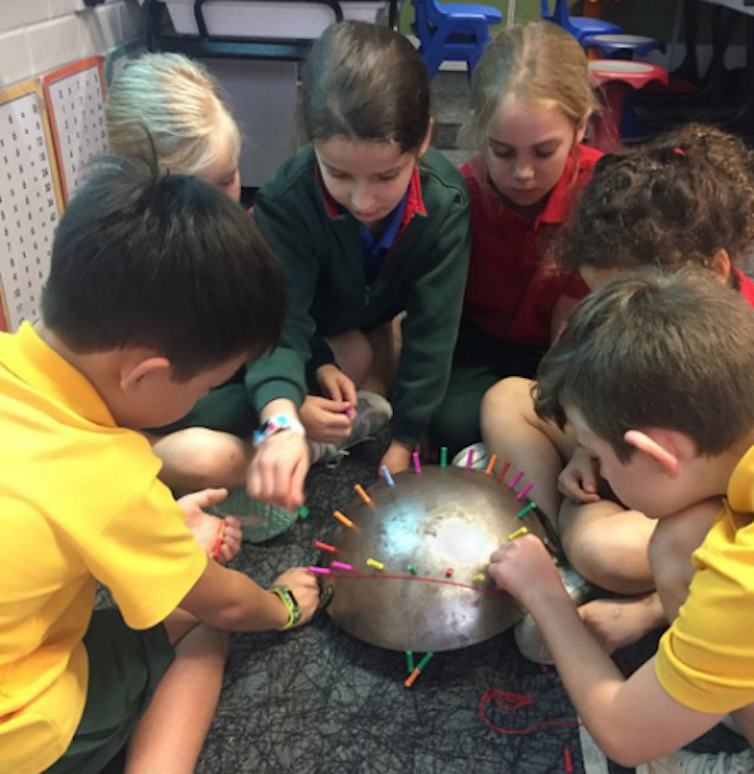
column 316, row 700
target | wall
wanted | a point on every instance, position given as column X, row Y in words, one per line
column 39, row 35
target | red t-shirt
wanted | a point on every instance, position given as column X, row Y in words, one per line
column 512, row 288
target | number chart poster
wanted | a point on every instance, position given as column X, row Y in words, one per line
column 30, row 202
column 75, row 97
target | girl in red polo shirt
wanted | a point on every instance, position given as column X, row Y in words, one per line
column 531, row 101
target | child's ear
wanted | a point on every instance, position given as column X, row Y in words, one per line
column 134, row 372
column 582, row 125
column 722, row 265
column 424, row 147
column 657, row 445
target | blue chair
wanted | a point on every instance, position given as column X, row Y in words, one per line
column 618, row 46
column 456, row 32
column 579, row 26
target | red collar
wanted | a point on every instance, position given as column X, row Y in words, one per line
column 414, row 202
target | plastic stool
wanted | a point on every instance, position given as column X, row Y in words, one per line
column 614, row 76
column 620, row 46
column 578, row 26
column 457, row 32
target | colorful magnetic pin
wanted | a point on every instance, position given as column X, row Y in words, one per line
column 386, row 474
column 518, row 533
column 325, row 546
column 524, row 491
column 516, row 479
column 341, row 566
column 320, row 570
column 503, row 471
column 362, row 494
column 479, row 578
column 342, row 519
column 418, row 670
column 444, row 457
column 417, row 463
column 303, row 513
column 374, row 563
column 525, row 511
column 491, row 465
column 411, row 569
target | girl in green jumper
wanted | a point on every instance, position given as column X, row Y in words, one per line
column 369, row 223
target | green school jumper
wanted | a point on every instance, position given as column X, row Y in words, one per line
column 424, row 274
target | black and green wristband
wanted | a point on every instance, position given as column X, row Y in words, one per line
column 291, row 605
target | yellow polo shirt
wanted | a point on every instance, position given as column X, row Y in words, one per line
column 706, row 658
column 79, row 502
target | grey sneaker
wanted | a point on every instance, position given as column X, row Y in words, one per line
column 479, row 460
column 372, row 414
column 529, row 639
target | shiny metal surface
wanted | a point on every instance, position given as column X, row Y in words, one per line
column 440, row 520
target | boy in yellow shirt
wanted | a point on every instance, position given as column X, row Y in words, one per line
column 656, row 375
column 160, row 288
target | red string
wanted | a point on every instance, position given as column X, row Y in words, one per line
column 510, row 702
column 425, row 579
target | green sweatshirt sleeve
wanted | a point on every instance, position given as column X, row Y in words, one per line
column 282, row 374
column 433, row 314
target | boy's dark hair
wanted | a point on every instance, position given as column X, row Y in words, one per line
column 648, row 349
column 168, row 263
column 365, row 82
column 673, row 202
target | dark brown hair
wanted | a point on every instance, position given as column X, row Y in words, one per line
column 673, row 202
column 164, row 262
column 365, row 82
column 655, row 350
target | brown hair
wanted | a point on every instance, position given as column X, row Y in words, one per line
column 365, row 82
column 649, row 349
column 536, row 62
column 673, row 202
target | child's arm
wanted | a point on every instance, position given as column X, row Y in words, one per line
column 633, row 720
column 230, row 601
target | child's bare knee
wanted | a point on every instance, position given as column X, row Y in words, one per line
column 210, row 458
column 353, row 354
column 611, row 551
column 508, row 394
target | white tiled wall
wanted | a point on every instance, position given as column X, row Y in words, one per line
column 40, row 35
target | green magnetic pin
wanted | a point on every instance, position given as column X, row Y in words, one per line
column 303, row 513
column 411, row 569
column 410, row 661
column 529, row 507
column 420, row 666
column 444, row 457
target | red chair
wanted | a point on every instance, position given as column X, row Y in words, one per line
column 614, row 76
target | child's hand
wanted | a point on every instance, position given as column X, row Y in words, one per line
column 206, row 528
column 336, row 385
column 578, row 479
column 523, row 568
column 305, row 588
column 278, row 470
column 325, row 420
column 398, row 456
